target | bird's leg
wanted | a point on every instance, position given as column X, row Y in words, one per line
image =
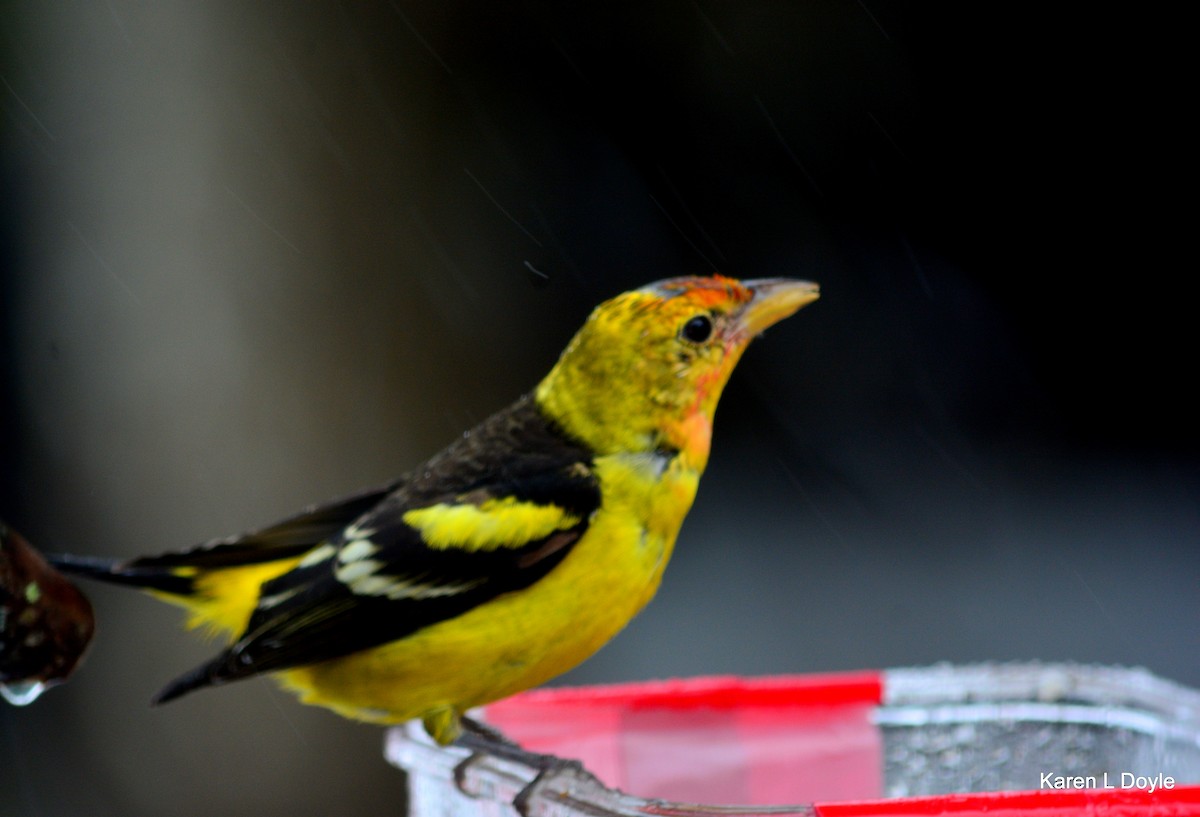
column 483, row 739
column 474, row 731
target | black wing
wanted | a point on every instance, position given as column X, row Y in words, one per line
column 380, row 579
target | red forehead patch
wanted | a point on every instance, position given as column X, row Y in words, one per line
column 706, row 291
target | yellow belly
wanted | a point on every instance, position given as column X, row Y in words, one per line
column 522, row 639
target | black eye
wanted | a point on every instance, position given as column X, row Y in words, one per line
column 697, row 330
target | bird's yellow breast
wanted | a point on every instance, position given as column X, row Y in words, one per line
column 522, row 639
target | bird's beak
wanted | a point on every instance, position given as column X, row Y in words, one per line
column 774, row 299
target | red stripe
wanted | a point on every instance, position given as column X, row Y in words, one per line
column 1176, row 802
column 722, row 692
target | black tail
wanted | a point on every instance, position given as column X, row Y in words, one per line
column 205, row 675
column 171, row 572
column 133, row 574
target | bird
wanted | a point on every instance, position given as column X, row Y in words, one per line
column 506, row 559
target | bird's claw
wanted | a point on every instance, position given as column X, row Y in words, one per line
column 486, row 741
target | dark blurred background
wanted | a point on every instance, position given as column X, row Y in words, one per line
column 256, row 255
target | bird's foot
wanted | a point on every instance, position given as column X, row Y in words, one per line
column 484, row 740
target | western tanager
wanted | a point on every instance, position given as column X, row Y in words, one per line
column 506, row 559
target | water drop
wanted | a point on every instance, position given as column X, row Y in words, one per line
column 22, row 693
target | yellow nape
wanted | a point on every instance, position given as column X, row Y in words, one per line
column 496, row 523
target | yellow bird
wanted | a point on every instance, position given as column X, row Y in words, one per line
column 506, row 559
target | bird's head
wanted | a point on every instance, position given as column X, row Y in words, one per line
column 645, row 371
